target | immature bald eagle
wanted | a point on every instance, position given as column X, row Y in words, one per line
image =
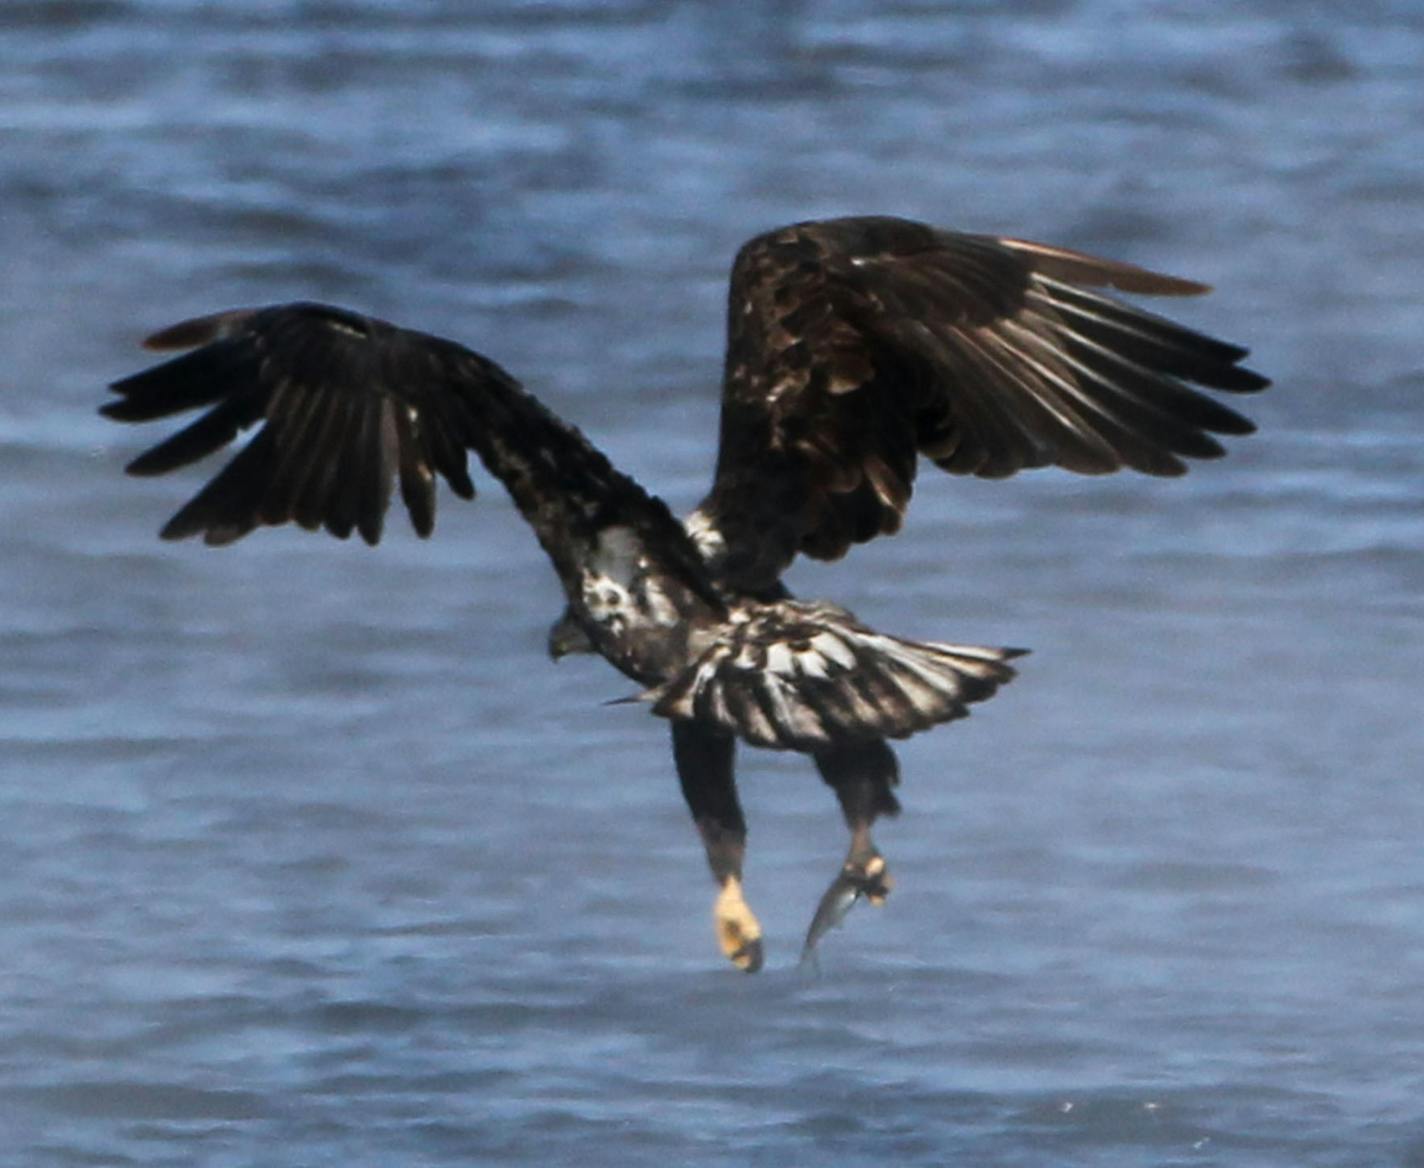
column 855, row 346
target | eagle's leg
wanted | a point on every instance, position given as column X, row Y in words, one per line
column 705, row 768
column 862, row 776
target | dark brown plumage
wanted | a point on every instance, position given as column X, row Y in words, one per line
column 855, row 347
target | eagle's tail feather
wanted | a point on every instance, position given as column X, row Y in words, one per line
column 796, row 676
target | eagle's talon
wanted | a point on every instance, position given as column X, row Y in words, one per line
column 876, row 881
column 738, row 930
column 747, row 956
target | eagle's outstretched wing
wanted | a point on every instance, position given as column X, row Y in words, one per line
column 857, row 345
column 350, row 405
column 793, row 675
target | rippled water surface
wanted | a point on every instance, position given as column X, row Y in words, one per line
column 311, row 858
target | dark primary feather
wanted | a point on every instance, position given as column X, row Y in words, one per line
column 857, row 345
column 349, row 405
column 346, row 405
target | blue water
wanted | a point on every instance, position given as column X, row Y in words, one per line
column 311, row 858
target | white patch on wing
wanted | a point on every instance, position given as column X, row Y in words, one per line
column 620, row 576
column 606, row 601
column 706, row 536
column 662, row 610
column 619, row 555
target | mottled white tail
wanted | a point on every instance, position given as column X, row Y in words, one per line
column 797, row 676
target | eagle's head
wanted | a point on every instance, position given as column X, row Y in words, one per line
column 566, row 636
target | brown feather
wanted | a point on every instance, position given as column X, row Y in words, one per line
column 855, row 343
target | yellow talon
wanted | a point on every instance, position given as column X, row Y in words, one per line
column 880, row 881
column 738, row 930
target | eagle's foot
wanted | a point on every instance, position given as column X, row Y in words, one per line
column 877, row 880
column 738, row 930
column 865, row 876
